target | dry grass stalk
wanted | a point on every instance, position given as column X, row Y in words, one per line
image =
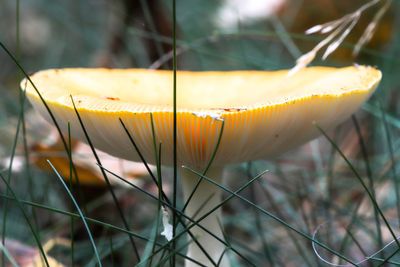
column 338, row 30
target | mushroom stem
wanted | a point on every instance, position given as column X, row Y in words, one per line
column 206, row 197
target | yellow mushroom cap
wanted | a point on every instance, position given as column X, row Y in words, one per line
column 265, row 113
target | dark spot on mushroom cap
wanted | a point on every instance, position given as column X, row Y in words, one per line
column 230, row 109
column 112, row 98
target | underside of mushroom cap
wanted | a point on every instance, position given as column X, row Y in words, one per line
column 265, row 113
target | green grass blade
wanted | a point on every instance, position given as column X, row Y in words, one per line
column 7, row 255
column 392, row 159
column 70, row 185
column 143, row 160
column 35, row 235
column 175, row 132
column 369, row 176
column 53, row 119
column 152, row 27
column 194, row 223
column 80, row 213
column 76, row 215
column 157, row 183
column 235, row 194
column 258, row 224
column 148, row 254
column 174, row 252
column 373, row 200
column 109, row 186
column 10, row 166
column 221, row 131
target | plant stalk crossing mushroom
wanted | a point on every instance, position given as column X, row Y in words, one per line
column 222, row 118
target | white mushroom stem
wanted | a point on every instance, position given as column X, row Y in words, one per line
column 206, row 198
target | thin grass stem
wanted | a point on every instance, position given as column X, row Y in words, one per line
column 258, row 224
column 76, row 215
column 194, row 223
column 157, row 154
column 392, row 159
column 149, row 19
column 112, row 251
column 104, row 174
column 8, row 255
column 299, row 247
column 175, row 131
column 53, row 119
column 235, row 194
column 221, row 131
column 143, row 160
column 167, row 201
column 373, row 200
column 80, row 213
column 369, row 176
column 70, row 185
column 35, row 235
column 9, row 174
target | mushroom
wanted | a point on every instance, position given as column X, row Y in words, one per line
column 264, row 113
column 88, row 172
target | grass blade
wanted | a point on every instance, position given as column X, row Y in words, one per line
column 369, row 176
column 80, row 213
column 76, row 215
column 194, row 223
column 235, row 194
column 175, row 131
column 392, row 159
column 7, row 255
column 157, row 183
column 35, row 235
column 124, row 221
column 221, row 131
column 373, row 200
